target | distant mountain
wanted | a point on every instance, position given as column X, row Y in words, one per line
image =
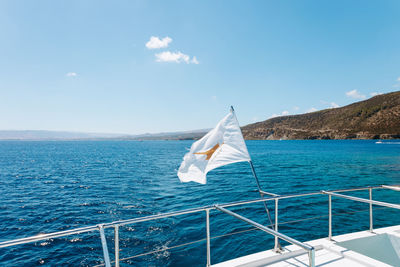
column 39, row 135
column 185, row 135
column 50, row 135
column 375, row 118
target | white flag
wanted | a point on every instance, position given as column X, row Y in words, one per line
column 221, row 146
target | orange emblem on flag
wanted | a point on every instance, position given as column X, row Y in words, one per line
column 209, row 152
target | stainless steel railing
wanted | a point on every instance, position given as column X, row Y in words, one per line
column 222, row 207
column 310, row 249
column 369, row 201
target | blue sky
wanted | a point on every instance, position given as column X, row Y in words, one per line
column 85, row 66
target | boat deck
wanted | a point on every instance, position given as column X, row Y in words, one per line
column 331, row 253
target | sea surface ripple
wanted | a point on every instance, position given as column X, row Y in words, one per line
column 55, row 186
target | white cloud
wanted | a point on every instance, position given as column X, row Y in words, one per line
column 194, row 60
column 296, row 108
column 71, row 74
column 312, row 110
column 375, row 93
column 168, row 56
column 176, row 57
column 330, row 104
column 214, row 98
column 157, row 43
column 284, row 113
column 355, row 94
column 334, row 105
column 254, row 119
column 398, row 79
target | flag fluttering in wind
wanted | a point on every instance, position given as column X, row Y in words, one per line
column 221, row 146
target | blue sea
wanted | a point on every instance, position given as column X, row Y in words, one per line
column 54, row 186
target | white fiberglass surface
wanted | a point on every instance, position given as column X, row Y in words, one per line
column 382, row 247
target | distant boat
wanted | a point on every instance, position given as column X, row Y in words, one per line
column 387, row 143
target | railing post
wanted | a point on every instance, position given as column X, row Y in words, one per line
column 276, row 247
column 311, row 257
column 116, row 244
column 330, row 218
column 208, row 237
column 371, row 219
column 107, row 262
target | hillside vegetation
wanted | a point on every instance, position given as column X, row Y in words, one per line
column 375, row 118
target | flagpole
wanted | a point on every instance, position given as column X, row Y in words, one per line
column 255, row 176
column 259, row 191
column 277, row 244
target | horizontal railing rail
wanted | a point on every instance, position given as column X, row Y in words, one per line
column 87, row 229
column 293, row 241
column 392, row 187
column 235, row 233
column 358, row 199
column 273, row 197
